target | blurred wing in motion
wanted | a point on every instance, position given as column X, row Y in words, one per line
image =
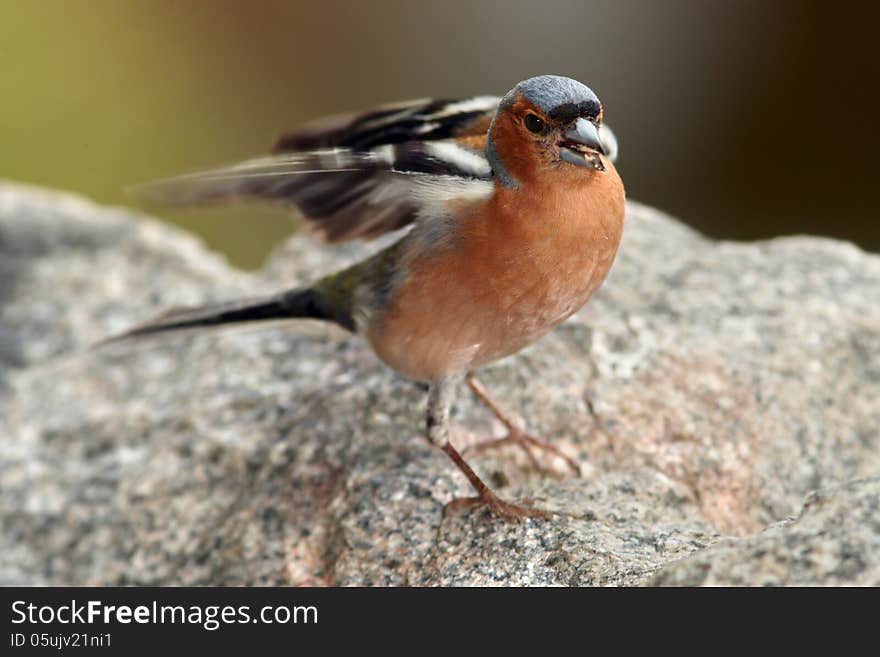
column 414, row 120
column 359, row 175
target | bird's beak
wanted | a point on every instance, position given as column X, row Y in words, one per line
column 583, row 141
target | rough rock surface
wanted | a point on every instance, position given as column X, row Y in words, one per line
column 834, row 541
column 708, row 390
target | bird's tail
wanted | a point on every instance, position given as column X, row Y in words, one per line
column 305, row 303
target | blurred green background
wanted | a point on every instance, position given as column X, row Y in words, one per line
column 745, row 119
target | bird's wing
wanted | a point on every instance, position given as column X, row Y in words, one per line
column 360, row 175
column 413, row 120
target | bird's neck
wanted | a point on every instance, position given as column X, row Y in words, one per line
column 502, row 175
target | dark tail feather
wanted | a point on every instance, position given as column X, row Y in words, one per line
column 299, row 303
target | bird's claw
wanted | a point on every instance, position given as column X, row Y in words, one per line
column 496, row 506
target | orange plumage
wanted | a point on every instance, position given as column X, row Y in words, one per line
column 515, row 268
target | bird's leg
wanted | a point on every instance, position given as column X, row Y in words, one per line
column 515, row 435
column 439, row 402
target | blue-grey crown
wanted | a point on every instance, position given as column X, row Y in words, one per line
column 560, row 98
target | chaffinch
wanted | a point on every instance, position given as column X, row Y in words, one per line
column 514, row 213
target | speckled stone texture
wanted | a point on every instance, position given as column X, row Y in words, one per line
column 723, row 400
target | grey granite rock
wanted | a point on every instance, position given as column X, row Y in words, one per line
column 834, row 541
column 707, row 390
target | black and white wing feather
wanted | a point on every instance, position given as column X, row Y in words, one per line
column 362, row 175
column 414, row 120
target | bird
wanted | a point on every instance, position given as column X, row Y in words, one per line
column 510, row 212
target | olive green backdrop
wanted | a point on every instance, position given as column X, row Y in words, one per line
column 745, row 119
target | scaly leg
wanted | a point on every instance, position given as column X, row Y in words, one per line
column 439, row 402
column 515, row 435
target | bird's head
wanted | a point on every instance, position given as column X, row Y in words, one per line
column 552, row 122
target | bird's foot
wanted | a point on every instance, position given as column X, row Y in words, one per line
column 515, row 436
column 496, row 506
column 485, row 497
column 529, row 444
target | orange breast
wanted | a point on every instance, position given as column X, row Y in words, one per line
column 516, row 268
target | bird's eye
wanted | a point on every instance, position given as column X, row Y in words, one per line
column 533, row 123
